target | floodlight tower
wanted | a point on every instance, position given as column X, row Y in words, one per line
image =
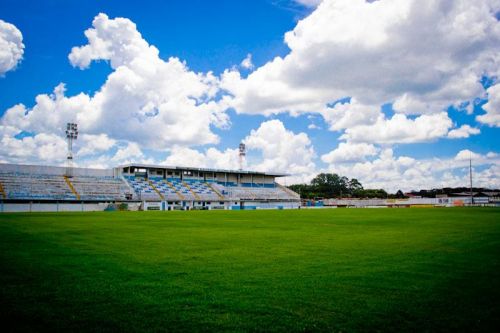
column 242, row 154
column 470, row 177
column 71, row 135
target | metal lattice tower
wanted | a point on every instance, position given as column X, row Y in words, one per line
column 71, row 135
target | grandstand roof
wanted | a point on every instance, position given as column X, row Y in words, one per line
column 153, row 166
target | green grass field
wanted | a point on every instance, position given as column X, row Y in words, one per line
column 346, row 270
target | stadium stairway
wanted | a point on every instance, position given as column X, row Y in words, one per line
column 71, row 187
column 186, row 185
column 156, row 190
column 288, row 191
column 215, row 191
column 2, row 192
column 130, row 187
column 173, row 188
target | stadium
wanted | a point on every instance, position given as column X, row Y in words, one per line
column 250, row 166
column 148, row 187
column 201, row 249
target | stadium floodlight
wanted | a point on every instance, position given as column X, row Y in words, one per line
column 242, row 154
column 470, row 176
column 71, row 135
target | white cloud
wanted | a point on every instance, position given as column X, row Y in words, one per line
column 277, row 149
column 349, row 152
column 466, row 155
column 247, row 62
column 116, row 40
column 11, row 47
column 309, row 3
column 492, row 107
column 282, row 150
column 94, row 144
column 463, row 131
column 146, row 100
column 211, row 158
column 366, row 123
column 423, row 55
column 350, row 114
column 131, row 152
column 410, row 105
column 183, row 156
column 393, row 173
column 33, row 149
column 401, row 129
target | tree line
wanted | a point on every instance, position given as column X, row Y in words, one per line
column 331, row 185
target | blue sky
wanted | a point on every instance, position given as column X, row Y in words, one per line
column 399, row 123
column 209, row 36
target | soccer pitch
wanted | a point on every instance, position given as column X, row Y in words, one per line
column 303, row 270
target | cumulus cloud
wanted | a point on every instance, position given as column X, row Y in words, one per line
column 11, row 47
column 349, row 152
column 210, row 158
column 463, row 131
column 366, row 123
column 308, row 3
column 247, row 62
column 350, row 114
column 393, row 173
column 271, row 147
column 421, row 55
column 129, row 153
column 492, row 107
column 282, row 150
column 146, row 100
column 466, row 155
column 401, row 129
column 32, row 149
column 94, row 144
column 424, row 50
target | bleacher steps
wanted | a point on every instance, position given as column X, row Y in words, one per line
column 131, row 189
column 288, row 191
column 215, row 191
column 156, row 190
column 196, row 196
column 71, row 187
column 174, row 189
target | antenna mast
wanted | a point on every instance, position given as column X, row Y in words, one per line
column 242, row 154
column 71, row 135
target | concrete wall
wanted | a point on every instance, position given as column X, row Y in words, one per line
column 52, row 207
column 448, row 201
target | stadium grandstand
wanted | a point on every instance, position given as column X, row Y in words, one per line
column 148, row 187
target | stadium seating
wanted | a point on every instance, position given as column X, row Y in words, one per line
column 203, row 190
column 21, row 186
column 100, row 188
column 24, row 186
column 193, row 190
column 143, row 188
column 257, row 193
column 35, row 187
